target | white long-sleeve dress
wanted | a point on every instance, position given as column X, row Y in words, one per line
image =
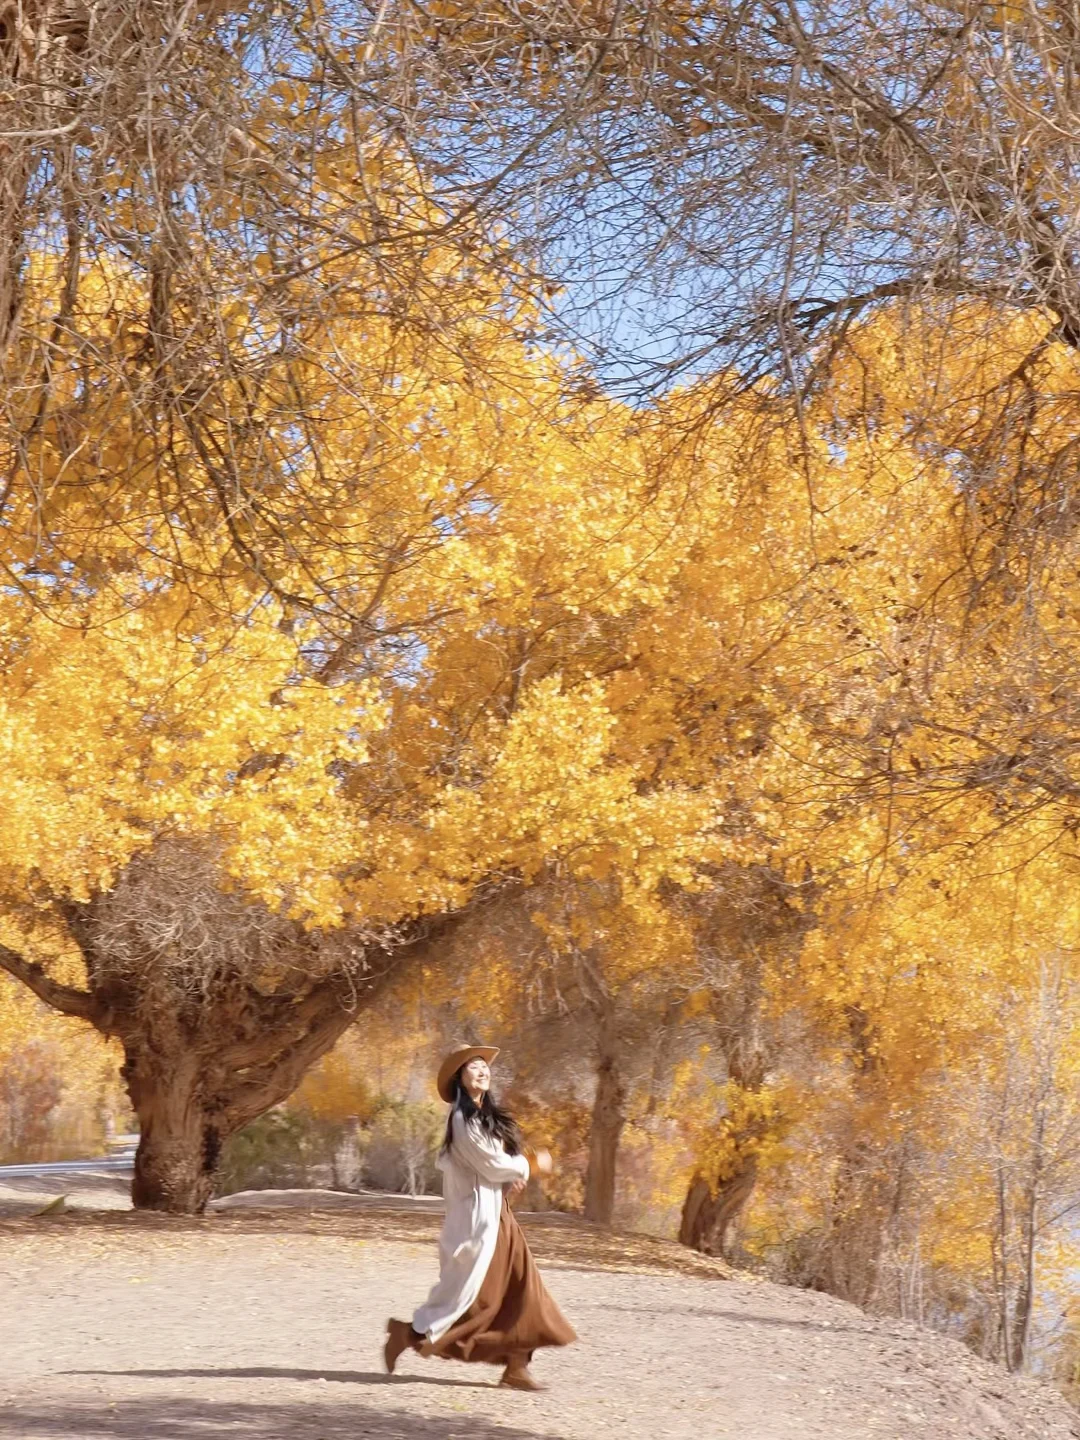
column 475, row 1171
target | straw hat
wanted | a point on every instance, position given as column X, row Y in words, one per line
column 458, row 1057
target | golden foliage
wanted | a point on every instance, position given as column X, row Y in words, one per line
column 603, row 653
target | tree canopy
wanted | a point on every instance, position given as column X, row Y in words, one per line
column 595, row 486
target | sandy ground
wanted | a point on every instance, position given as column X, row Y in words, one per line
column 267, row 1323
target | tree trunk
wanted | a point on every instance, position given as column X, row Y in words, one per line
column 608, row 1120
column 708, row 1215
column 204, row 1059
column 712, row 1206
column 176, row 1161
column 190, row 1095
column 1019, row 1339
column 180, row 1133
column 201, row 1069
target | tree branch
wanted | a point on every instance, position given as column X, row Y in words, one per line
column 65, row 998
column 283, row 1023
column 282, row 1075
column 294, row 1033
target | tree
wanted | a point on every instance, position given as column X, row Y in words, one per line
column 931, row 1163
column 188, row 193
column 612, row 969
column 775, row 171
column 747, row 925
column 304, row 803
column 1020, row 1120
column 577, row 980
column 546, row 673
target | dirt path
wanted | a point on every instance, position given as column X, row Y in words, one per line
column 267, row 1325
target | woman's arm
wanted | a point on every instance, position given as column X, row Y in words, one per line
column 486, row 1156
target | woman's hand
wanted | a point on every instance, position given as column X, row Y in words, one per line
column 541, row 1162
column 517, row 1186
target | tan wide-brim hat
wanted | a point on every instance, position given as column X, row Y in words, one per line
column 456, row 1059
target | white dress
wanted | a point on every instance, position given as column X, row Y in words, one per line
column 474, row 1173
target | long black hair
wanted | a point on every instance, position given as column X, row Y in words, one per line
column 492, row 1119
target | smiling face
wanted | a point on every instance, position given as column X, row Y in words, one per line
column 476, row 1078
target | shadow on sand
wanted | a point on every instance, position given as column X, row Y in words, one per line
column 170, row 1418
column 270, row 1372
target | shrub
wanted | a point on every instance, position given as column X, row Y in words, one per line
column 283, row 1149
column 30, row 1091
column 403, row 1143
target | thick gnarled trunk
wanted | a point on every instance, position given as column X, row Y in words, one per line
column 715, row 1201
column 200, row 1067
column 180, row 1133
column 220, row 1005
column 176, row 1162
column 190, row 1092
column 709, row 1211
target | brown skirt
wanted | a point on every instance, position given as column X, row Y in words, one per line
column 513, row 1313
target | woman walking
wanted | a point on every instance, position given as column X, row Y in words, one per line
column 489, row 1303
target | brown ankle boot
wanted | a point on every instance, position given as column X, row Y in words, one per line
column 399, row 1338
column 518, row 1376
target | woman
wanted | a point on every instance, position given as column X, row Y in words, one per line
column 489, row 1304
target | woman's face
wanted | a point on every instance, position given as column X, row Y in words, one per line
column 476, row 1077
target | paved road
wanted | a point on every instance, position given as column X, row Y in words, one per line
column 112, row 1163
column 87, row 1185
